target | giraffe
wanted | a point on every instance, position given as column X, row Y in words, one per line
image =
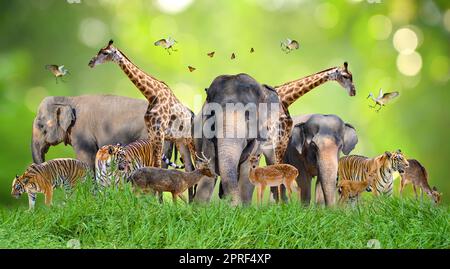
column 291, row 91
column 166, row 117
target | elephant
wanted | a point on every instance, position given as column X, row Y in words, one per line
column 229, row 153
column 314, row 149
column 88, row 122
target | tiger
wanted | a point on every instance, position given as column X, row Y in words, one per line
column 45, row 177
column 116, row 162
column 359, row 168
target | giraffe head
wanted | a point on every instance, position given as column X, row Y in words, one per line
column 344, row 77
column 107, row 54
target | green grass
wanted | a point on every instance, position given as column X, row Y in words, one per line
column 119, row 219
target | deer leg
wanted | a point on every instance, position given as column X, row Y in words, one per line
column 174, row 198
column 183, row 198
column 279, row 194
column 415, row 191
column 289, row 189
column 258, row 195
column 402, row 185
column 263, row 188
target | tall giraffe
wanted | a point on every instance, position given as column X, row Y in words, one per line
column 291, row 91
column 166, row 117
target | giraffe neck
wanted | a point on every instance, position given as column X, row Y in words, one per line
column 291, row 91
column 149, row 86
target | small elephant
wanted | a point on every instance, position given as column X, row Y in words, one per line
column 314, row 149
column 89, row 122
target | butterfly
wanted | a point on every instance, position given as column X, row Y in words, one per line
column 166, row 43
column 57, row 70
column 211, row 54
column 191, row 69
column 233, row 56
column 252, row 50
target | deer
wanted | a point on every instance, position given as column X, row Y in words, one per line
column 349, row 189
column 417, row 175
column 272, row 175
column 152, row 179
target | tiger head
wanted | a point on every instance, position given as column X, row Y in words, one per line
column 19, row 185
column 110, row 155
column 398, row 161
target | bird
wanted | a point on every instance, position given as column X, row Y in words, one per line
column 289, row 45
column 191, row 69
column 211, row 54
column 382, row 99
column 233, row 56
column 57, row 70
column 166, row 43
column 252, row 50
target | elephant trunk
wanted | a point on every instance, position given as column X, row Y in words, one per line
column 230, row 151
column 38, row 148
column 328, row 168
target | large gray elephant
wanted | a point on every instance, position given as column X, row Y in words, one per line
column 314, row 149
column 229, row 153
column 88, row 122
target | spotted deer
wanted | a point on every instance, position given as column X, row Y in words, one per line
column 272, row 175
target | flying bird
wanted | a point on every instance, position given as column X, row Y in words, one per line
column 167, row 44
column 382, row 99
column 211, row 54
column 233, row 56
column 252, row 50
column 289, row 45
column 57, row 70
column 191, row 69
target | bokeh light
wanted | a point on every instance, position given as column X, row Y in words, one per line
column 446, row 20
column 380, row 27
column 92, row 32
column 409, row 64
column 326, row 15
column 173, row 6
column 405, row 40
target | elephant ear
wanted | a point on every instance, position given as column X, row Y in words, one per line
column 350, row 139
column 65, row 116
column 298, row 137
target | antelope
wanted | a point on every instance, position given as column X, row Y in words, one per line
column 417, row 175
column 174, row 181
column 272, row 176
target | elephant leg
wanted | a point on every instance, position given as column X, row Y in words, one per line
column 246, row 188
column 304, row 183
column 319, row 193
column 85, row 153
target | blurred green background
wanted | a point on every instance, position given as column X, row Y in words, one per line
column 396, row 45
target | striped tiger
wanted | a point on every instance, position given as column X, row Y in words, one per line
column 114, row 162
column 45, row 177
column 358, row 168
